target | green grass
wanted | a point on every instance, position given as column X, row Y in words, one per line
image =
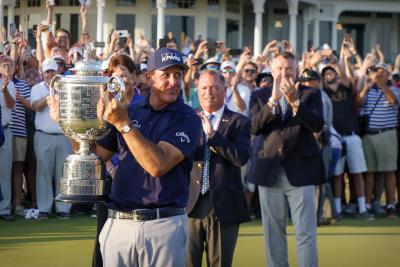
column 55, row 243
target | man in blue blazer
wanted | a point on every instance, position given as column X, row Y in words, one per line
column 217, row 203
column 289, row 163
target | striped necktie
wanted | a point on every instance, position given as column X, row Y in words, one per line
column 205, row 178
column 284, row 106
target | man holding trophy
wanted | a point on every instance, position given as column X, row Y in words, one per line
column 156, row 139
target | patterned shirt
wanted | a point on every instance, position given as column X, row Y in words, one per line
column 381, row 113
column 17, row 123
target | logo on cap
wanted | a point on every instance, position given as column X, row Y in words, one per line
column 170, row 56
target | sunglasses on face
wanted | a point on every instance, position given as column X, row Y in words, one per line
column 266, row 80
column 228, row 71
column 250, row 71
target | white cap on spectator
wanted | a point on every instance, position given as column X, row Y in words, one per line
column 227, row 64
column 382, row 66
column 326, row 46
column 49, row 64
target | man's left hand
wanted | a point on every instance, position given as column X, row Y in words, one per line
column 290, row 90
column 207, row 126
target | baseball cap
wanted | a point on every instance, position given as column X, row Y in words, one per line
column 309, row 75
column 228, row 64
column 263, row 75
column 164, row 58
column 325, row 69
column 49, row 64
column 382, row 66
column 210, row 61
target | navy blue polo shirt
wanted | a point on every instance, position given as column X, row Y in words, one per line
column 133, row 187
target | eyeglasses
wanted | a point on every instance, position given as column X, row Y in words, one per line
column 228, row 70
column 250, row 71
column 266, row 80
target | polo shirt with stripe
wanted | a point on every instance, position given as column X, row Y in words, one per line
column 384, row 115
column 17, row 123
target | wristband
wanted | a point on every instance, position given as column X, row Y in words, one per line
column 272, row 101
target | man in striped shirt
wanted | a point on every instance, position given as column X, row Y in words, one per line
column 18, row 130
column 381, row 104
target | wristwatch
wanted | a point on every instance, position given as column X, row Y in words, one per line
column 296, row 103
column 126, row 129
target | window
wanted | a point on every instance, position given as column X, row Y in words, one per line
column 212, row 28
column 178, row 3
column 126, row 3
column 33, row 3
column 233, row 6
column 213, row 4
column 232, row 33
column 67, row 3
column 17, row 4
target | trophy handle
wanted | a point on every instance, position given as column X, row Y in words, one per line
column 116, row 85
column 53, row 85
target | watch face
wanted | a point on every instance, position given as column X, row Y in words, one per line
column 126, row 129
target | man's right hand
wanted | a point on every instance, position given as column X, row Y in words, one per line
column 53, row 106
column 49, row 8
column 276, row 88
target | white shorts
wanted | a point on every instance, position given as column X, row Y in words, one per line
column 354, row 156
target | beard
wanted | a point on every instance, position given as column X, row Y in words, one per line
column 331, row 81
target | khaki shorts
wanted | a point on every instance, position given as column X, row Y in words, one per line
column 19, row 148
column 381, row 151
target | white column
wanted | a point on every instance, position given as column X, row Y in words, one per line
column 334, row 35
column 100, row 20
column 316, row 26
column 222, row 21
column 1, row 13
column 11, row 9
column 161, row 5
column 293, row 12
column 259, row 11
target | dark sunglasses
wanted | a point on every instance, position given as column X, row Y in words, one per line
column 250, row 70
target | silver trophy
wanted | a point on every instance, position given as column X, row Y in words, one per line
column 78, row 95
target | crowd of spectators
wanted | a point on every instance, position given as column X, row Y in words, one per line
column 360, row 98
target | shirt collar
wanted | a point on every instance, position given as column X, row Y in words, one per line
column 217, row 114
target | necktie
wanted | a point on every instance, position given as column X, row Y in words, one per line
column 284, row 106
column 205, row 179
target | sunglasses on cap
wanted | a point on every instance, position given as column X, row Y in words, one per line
column 250, row 71
column 212, row 67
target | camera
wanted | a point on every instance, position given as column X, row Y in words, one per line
column 99, row 44
column 123, row 34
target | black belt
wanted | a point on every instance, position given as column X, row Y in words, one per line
column 348, row 134
column 378, row 131
column 146, row 214
column 5, row 126
column 49, row 133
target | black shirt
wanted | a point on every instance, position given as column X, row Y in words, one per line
column 344, row 118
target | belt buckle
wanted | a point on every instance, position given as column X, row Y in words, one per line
column 142, row 215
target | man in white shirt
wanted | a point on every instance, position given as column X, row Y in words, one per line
column 51, row 147
column 7, row 102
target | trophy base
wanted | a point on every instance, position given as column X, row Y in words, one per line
column 82, row 199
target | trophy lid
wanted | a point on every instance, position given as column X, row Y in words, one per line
column 88, row 66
